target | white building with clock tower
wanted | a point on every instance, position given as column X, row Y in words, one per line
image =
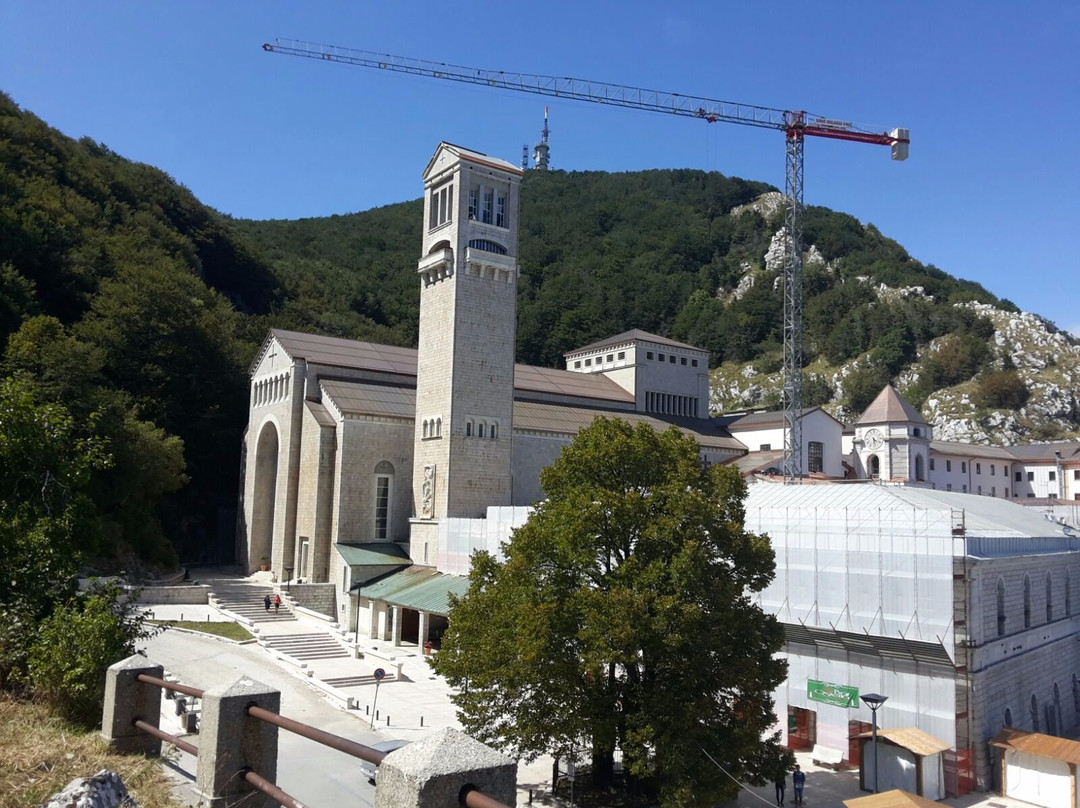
column 892, row 440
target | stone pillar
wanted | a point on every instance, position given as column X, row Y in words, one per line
column 382, row 631
column 422, row 634
column 430, row 773
column 395, row 630
column 126, row 699
column 231, row 741
column 373, row 621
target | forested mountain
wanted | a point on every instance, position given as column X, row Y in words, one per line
column 137, row 309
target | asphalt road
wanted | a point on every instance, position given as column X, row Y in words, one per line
column 314, row 774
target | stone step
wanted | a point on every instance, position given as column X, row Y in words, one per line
column 354, row 681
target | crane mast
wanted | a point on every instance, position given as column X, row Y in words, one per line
column 796, row 126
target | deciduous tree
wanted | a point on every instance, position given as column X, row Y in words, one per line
column 623, row 618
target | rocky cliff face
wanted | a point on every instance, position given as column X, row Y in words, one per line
column 1046, row 359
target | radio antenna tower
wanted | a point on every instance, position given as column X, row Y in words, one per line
column 541, row 152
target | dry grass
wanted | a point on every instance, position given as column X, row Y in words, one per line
column 41, row 754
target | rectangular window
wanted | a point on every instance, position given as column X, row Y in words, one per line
column 611, row 357
column 382, row 507
column 648, row 354
column 765, row 447
column 963, row 467
column 1019, row 476
column 993, row 490
column 1031, row 476
column 948, row 486
column 931, row 464
column 660, row 357
column 671, row 359
column 948, row 465
column 980, row 490
column 486, row 215
column 978, row 468
column 965, row 488
column 588, row 363
column 500, row 211
column 1053, row 475
column 577, row 363
column 442, row 206
column 993, row 470
column 1031, row 495
column 683, row 361
column 622, row 355
column 814, row 456
column 1076, row 474
column 474, row 202
column 693, row 363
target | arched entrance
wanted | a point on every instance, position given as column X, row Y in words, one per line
column 264, row 500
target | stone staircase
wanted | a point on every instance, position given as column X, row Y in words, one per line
column 305, row 647
column 247, row 602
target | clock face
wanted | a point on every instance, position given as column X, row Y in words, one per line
column 873, row 438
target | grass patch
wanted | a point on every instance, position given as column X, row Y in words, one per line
column 232, row 631
column 42, row 754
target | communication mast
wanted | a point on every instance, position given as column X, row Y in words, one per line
column 541, row 152
column 796, row 126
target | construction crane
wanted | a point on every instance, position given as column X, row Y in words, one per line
column 796, row 125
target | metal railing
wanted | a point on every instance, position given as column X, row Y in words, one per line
column 469, row 797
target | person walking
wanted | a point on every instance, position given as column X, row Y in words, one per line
column 266, row 603
column 781, row 785
column 798, row 780
column 277, row 603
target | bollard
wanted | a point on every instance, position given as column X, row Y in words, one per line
column 231, row 741
column 421, row 720
column 367, row 709
column 128, row 699
column 434, row 770
column 388, row 719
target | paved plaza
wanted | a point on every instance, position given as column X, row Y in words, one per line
column 408, row 707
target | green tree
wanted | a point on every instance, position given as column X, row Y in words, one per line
column 622, row 618
column 1002, row 389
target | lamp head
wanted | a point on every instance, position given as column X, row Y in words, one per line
column 874, row 700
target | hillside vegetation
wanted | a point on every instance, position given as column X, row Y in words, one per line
column 132, row 310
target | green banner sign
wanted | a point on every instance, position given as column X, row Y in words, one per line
column 839, row 695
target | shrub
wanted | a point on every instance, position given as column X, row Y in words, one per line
column 1002, row 390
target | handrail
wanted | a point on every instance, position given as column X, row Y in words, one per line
column 470, row 796
column 318, row 735
column 150, row 729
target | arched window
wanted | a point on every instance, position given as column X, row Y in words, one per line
column 480, row 430
column 468, row 429
column 487, row 245
column 1049, row 598
column 494, row 431
column 920, row 473
column 384, row 494
column 1008, row 717
column 1001, row 607
column 438, row 427
column 873, row 467
column 425, row 428
column 1027, row 602
column 1034, row 713
column 1056, row 714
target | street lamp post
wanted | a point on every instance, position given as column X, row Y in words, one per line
column 874, row 701
column 288, row 579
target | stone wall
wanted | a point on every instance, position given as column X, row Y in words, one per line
column 317, row 597
column 174, row 594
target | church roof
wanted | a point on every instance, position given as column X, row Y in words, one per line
column 568, row 383
column 753, row 462
column 560, row 419
column 474, row 157
column 633, row 335
column 761, row 420
column 971, row 450
column 889, row 408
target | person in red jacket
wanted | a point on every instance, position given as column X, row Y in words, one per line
column 277, row 603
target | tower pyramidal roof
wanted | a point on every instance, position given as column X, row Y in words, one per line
column 889, row 408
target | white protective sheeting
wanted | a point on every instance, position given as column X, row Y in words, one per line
column 459, row 538
column 1038, row 780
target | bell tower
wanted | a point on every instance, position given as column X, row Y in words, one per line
column 465, row 361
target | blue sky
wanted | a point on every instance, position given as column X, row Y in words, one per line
column 990, row 92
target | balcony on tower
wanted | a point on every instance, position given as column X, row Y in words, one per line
column 436, row 265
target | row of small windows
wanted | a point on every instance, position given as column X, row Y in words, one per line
column 481, row 429
column 442, row 206
column 487, row 206
column 671, row 358
column 432, row 427
column 1052, row 712
column 601, row 360
column 1002, row 618
column 978, row 468
column 271, row 391
column 671, row 404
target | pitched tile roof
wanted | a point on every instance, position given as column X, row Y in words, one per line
column 896, row 798
column 1035, row 743
column 913, row 739
column 760, row 420
column 889, row 408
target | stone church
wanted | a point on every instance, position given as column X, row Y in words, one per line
column 359, row 457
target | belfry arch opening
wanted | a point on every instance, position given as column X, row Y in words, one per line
column 265, row 495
